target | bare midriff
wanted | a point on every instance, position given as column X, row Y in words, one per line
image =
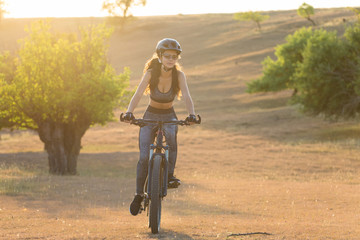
column 160, row 105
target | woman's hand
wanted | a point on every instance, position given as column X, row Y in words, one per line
column 128, row 117
column 191, row 119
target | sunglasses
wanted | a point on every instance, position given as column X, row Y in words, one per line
column 170, row 56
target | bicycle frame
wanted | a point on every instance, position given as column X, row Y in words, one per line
column 163, row 151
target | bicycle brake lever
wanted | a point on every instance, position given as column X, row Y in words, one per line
column 121, row 117
column 198, row 121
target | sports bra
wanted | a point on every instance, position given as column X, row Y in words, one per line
column 161, row 97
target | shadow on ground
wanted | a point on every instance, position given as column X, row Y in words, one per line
column 169, row 234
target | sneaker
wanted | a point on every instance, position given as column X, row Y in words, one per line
column 136, row 205
column 173, row 182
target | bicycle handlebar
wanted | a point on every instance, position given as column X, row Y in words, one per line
column 142, row 122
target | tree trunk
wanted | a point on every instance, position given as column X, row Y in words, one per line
column 73, row 133
column 313, row 23
column 62, row 143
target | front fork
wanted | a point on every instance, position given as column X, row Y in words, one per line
column 164, row 164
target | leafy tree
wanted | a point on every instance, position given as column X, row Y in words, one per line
column 321, row 77
column 278, row 74
column 7, row 72
column 327, row 75
column 62, row 86
column 257, row 17
column 305, row 11
column 123, row 6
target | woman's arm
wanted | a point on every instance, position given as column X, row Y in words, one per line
column 185, row 93
column 139, row 92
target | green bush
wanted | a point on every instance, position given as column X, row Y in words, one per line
column 278, row 74
column 319, row 78
column 322, row 68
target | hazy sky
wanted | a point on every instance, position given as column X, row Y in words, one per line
column 86, row 8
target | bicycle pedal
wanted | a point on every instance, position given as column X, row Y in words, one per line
column 173, row 185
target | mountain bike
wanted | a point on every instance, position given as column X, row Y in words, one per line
column 156, row 184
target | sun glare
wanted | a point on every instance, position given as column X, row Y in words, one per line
column 53, row 8
column 86, row 8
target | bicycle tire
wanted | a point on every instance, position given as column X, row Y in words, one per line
column 155, row 203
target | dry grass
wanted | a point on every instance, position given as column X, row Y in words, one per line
column 254, row 165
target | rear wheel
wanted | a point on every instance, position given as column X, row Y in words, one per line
column 156, row 186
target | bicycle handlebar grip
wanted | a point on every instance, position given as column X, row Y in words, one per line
column 198, row 121
column 121, row 117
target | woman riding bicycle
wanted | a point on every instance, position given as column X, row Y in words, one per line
column 163, row 80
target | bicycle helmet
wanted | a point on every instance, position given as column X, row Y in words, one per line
column 167, row 44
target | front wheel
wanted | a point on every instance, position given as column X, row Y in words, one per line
column 156, row 186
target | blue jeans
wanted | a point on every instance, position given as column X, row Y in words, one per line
column 147, row 137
